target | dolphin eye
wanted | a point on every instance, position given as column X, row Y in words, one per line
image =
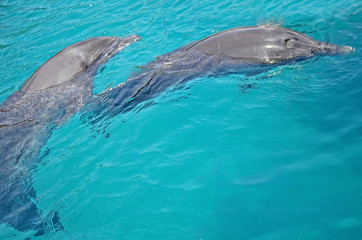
column 292, row 42
column 288, row 43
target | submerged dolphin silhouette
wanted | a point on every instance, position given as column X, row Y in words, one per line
column 58, row 89
column 247, row 50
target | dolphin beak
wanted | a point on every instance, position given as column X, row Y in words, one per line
column 331, row 49
column 126, row 41
column 130, row 39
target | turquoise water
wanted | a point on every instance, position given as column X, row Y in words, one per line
column 272, row 156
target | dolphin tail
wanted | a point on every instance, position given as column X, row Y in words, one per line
column 22, row 213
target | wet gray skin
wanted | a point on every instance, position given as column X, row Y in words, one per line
column 248, row 50
column 265, row 44
column 58, row 89
column 70, row 62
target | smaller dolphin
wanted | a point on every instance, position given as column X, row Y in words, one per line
column 58, row 89
column 246, row 50
column 75, row 60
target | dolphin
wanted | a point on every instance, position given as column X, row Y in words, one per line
column 244, row 50
column 57, row 90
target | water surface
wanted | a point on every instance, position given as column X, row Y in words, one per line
column 272, row 156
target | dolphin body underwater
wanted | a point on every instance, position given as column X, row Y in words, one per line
column 63, row 85
column 58, row 89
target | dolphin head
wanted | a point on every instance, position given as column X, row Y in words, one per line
column 283, row 44
column 88, row 51
column 76, row 59
column 265, row 44
column 101, row 49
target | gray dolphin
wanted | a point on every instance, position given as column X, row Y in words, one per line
column 58, row 89
column 247, row 50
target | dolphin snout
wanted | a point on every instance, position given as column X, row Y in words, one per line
column 131, row 38
column 331, row 49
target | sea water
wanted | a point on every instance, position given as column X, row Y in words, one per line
column 272, row 156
